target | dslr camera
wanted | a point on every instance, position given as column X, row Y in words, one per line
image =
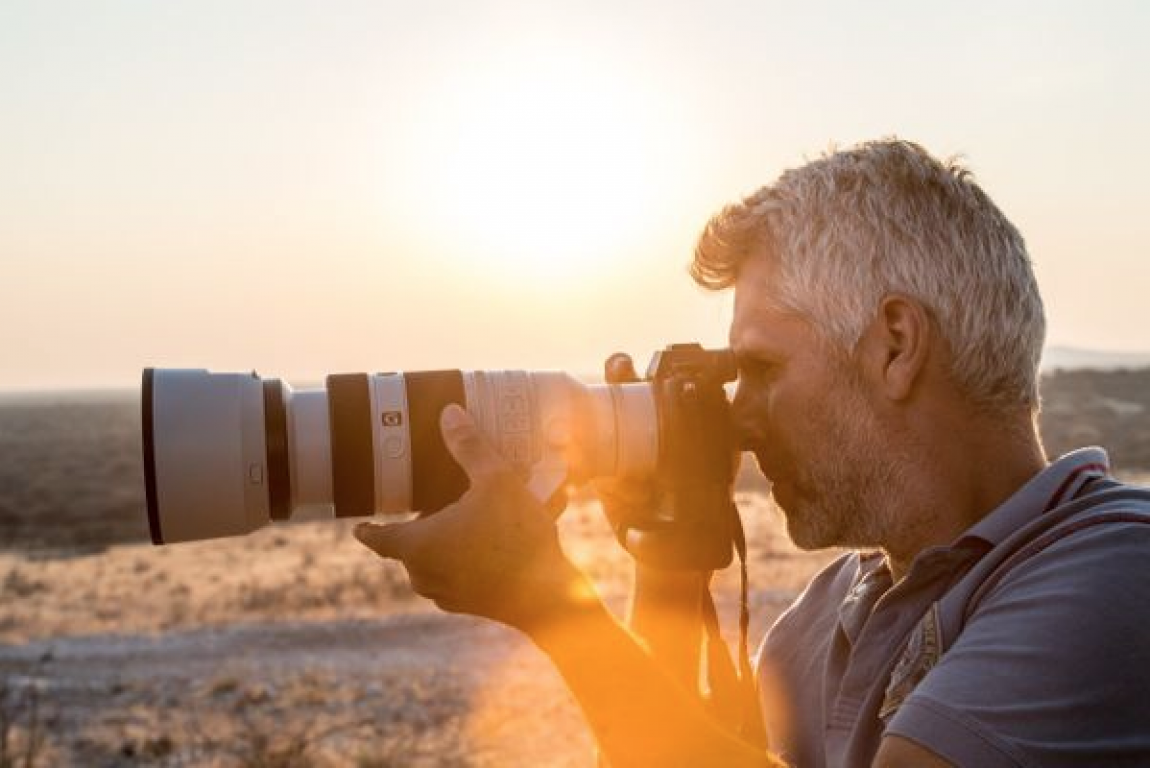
column 226, row 453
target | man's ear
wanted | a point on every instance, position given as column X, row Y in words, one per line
column 895, row 346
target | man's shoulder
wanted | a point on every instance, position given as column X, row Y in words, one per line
column 1113, row 514
column 1057, row 626
column 1105, row 533
column 1065, row 563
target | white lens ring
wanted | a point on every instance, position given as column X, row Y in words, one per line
column 391, row 429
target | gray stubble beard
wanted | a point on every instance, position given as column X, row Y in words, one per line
column 849, row 493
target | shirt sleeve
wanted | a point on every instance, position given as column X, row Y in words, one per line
column 1053, row 667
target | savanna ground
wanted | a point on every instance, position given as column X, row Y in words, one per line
column 295, row 646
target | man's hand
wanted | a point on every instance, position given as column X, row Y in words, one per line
column 627, row 500
column 494, row 553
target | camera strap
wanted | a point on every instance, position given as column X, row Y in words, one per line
column 732, row 691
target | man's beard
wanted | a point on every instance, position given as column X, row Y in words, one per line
column 848, row 479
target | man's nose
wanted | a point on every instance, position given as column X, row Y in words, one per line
column 742, row 423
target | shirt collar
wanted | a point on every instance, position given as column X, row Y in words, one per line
column 1053, row 486
column 1058, row 483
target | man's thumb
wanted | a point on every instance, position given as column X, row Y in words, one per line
column 467, row 445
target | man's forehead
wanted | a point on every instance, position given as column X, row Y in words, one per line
column 757, row 279
column 755, row 306
column 760, row 323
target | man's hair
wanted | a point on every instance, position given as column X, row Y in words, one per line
column 853, row 226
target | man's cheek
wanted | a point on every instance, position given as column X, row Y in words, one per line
column 770, row 462
column 776, row 457
column 752, row 427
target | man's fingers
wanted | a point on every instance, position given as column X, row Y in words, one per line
column 468, row 445
column 385, row 540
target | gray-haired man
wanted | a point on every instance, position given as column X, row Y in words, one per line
column 888, row 330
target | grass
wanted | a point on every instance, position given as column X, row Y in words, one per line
column 22, row 726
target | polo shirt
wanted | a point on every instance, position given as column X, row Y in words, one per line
column 1025, row 642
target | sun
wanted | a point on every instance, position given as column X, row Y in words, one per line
column 539, row 166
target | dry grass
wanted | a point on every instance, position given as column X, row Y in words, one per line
column 298, row 572
column 22, row 737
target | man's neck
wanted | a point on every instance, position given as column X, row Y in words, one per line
column 965, row 476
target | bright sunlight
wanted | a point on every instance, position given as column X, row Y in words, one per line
column 540, row 168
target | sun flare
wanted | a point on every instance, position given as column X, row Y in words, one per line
column 540, row 167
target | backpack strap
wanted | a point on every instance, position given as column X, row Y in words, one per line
column 1105, row 501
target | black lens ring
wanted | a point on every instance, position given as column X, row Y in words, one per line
column 276, row 447
column 352, row 446
column 150, row 458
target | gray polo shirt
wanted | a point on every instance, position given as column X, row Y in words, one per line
column 1026, row 642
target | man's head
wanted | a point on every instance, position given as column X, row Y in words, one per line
column 875, row 288
column 885, row 217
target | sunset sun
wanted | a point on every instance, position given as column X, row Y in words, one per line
column 539, row 168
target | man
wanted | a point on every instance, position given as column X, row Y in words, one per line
column 888, row 331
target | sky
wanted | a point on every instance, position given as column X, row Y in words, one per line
column 304, row 187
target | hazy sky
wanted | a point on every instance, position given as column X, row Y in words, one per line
column 310, row 187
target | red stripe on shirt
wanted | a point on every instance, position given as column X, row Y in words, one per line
column 1057, row 497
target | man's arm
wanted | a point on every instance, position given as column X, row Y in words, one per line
column 640, row 715
column 495, row 553
column 665, row 611
column 666, row 615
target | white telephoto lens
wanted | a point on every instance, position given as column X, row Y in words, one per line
column 309, row 443
column 225, row 453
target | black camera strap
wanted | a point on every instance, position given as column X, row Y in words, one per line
column 732, row 689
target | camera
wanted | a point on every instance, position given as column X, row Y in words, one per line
column 226, row 453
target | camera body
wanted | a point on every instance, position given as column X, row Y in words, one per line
column 225, row 453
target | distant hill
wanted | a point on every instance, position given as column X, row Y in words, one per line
column 1094, row 407
column 1074, row 358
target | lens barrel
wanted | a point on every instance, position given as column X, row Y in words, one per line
column 225, row 453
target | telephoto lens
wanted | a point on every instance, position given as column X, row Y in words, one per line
column 225, row 453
